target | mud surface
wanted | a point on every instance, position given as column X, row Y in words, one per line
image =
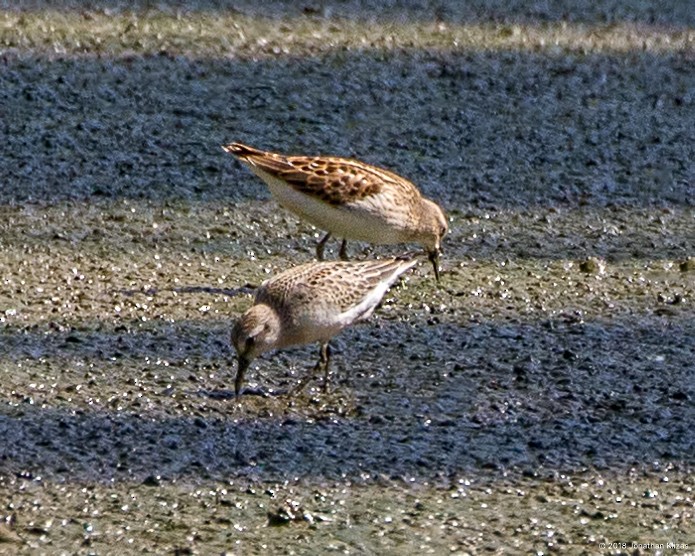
column 542, row 398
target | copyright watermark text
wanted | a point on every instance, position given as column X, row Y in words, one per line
column 644, row 545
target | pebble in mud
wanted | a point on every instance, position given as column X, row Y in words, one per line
column 290, row 511
column 592, row 265
column 687, row 265
column 8, row 535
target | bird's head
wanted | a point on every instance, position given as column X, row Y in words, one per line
column 433, row 228
column 256, row 332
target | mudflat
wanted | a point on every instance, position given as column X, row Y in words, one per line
column 540, row 399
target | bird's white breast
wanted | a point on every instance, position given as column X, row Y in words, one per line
column 374, row 220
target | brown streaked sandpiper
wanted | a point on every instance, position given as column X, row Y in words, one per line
column 311, row 303
column 349, row 199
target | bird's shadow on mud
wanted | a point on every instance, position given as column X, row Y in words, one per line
column 229, row 292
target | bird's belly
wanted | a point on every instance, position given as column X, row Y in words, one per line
column 370, row 224
column 308, row 329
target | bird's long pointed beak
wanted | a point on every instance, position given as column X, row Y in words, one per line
column 433, row 256
column 241, row 370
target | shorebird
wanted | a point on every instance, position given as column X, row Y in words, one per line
column 311, row 303
column 349, row 199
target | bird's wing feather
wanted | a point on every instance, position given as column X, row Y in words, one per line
column 349, row 291
column 336, row 181
column 378, row 278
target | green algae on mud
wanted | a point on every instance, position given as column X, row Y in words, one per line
column 449, row 515
column 223, row 32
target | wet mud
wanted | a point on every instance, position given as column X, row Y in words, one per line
column 540, row 399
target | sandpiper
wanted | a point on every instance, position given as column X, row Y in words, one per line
column 349, row 199
column 311, row 303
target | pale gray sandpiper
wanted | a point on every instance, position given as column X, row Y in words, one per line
column 311, row 303
column 349, row 199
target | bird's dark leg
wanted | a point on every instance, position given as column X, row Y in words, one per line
column 324, row 360
column 321, row 246
column 343, row 251
column 238, row 381
column 324, row 356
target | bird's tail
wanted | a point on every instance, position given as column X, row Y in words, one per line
column 271, row 163
column 241, row 150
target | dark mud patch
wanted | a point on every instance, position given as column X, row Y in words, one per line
column 558, row 394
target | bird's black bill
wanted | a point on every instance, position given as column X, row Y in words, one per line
column 433, row 256
column 241, row 370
